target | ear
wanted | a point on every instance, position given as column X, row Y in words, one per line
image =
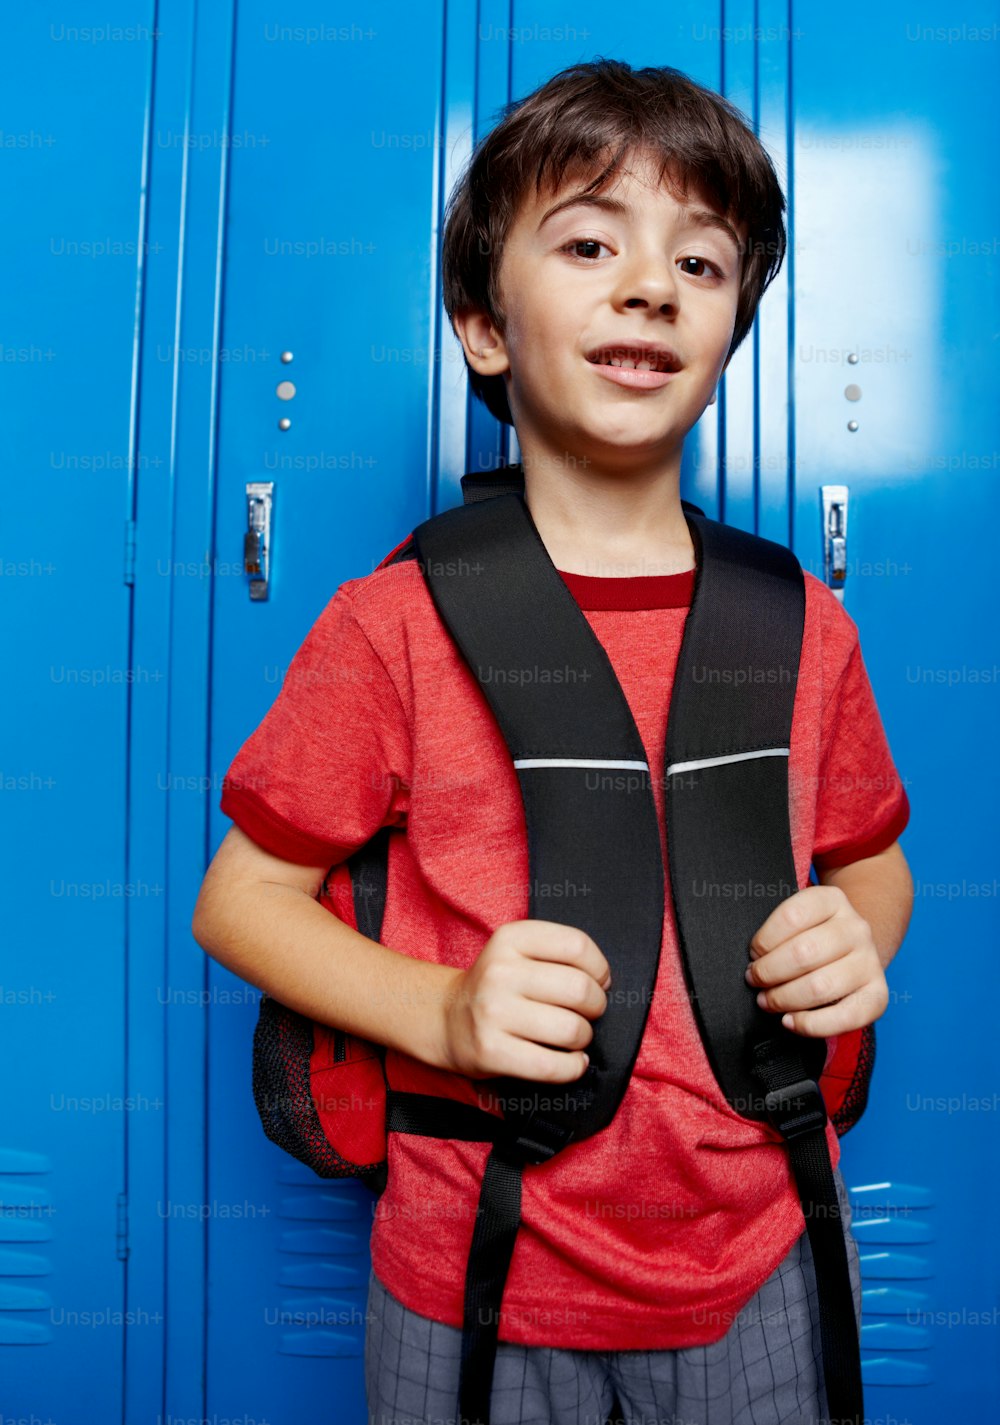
column 484, row 349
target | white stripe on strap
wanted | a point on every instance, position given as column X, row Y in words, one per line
column 579, row 762
column 733, row 757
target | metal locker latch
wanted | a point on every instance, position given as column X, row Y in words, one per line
column 257, row 540
column 835, row 537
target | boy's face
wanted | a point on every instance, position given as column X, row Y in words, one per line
column 588, row 276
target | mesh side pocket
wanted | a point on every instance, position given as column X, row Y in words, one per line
column 846, row 1079
column 340, row 1132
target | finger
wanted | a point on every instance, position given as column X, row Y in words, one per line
column 566, row 944
column 824, row 986
column 852, row 1012
column 563, row 985
column 808, row 907
column 524, row 1059
column 805, row 952
column 549, row 1025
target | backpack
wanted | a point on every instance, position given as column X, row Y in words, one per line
column 322, row 1094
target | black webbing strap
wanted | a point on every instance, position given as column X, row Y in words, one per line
column 436, row 1117
column 497, row 1221
column 797, row 1110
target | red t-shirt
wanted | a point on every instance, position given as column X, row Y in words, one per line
column 655, row 1232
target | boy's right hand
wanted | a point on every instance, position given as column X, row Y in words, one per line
column 535, row 983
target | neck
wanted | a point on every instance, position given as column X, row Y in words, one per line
column 622, row 525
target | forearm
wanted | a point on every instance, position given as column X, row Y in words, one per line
column 283, row 941
column 880, row 888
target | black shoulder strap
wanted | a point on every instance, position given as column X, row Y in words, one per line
column 588, row 803
column 727, row 821
column 369, row 870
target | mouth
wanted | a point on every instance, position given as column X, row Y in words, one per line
column 644, row 356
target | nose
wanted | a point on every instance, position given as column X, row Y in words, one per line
column 647, row 279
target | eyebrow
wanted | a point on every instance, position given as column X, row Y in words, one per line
column 694, row 217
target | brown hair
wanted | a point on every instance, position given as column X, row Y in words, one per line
column 574, row 121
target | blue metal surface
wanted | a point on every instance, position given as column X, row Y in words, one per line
column 72, row 111
column 281, row 183
column 329, row 254
column 893, row 119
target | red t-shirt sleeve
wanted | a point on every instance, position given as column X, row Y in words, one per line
column 330, row 762
column 861, row 806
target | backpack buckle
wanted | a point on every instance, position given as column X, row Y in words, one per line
column 796, row 1109
column 533, row 1151
column 534, row 1147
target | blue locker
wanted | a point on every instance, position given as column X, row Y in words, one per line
column 71, row 119
column 248, row 206
column 329, row 253
column 896, row 270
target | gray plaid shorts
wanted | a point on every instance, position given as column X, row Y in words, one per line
column 766, row 1370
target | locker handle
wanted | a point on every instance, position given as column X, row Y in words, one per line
column 835, row 537
column 257, row 537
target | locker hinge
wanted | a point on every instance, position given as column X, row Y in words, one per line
column 121, row 1230
column 130, row 551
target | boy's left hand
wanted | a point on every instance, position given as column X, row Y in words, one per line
column 814, row 950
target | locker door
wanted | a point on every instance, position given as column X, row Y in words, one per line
column 71, row 119
column 328, row 289
column 896, row 123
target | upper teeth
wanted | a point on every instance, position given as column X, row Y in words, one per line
column 646, row 364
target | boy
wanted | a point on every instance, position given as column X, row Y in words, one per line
column 662, row 1260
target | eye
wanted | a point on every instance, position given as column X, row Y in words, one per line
column 705, row 263
column 583, row 242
